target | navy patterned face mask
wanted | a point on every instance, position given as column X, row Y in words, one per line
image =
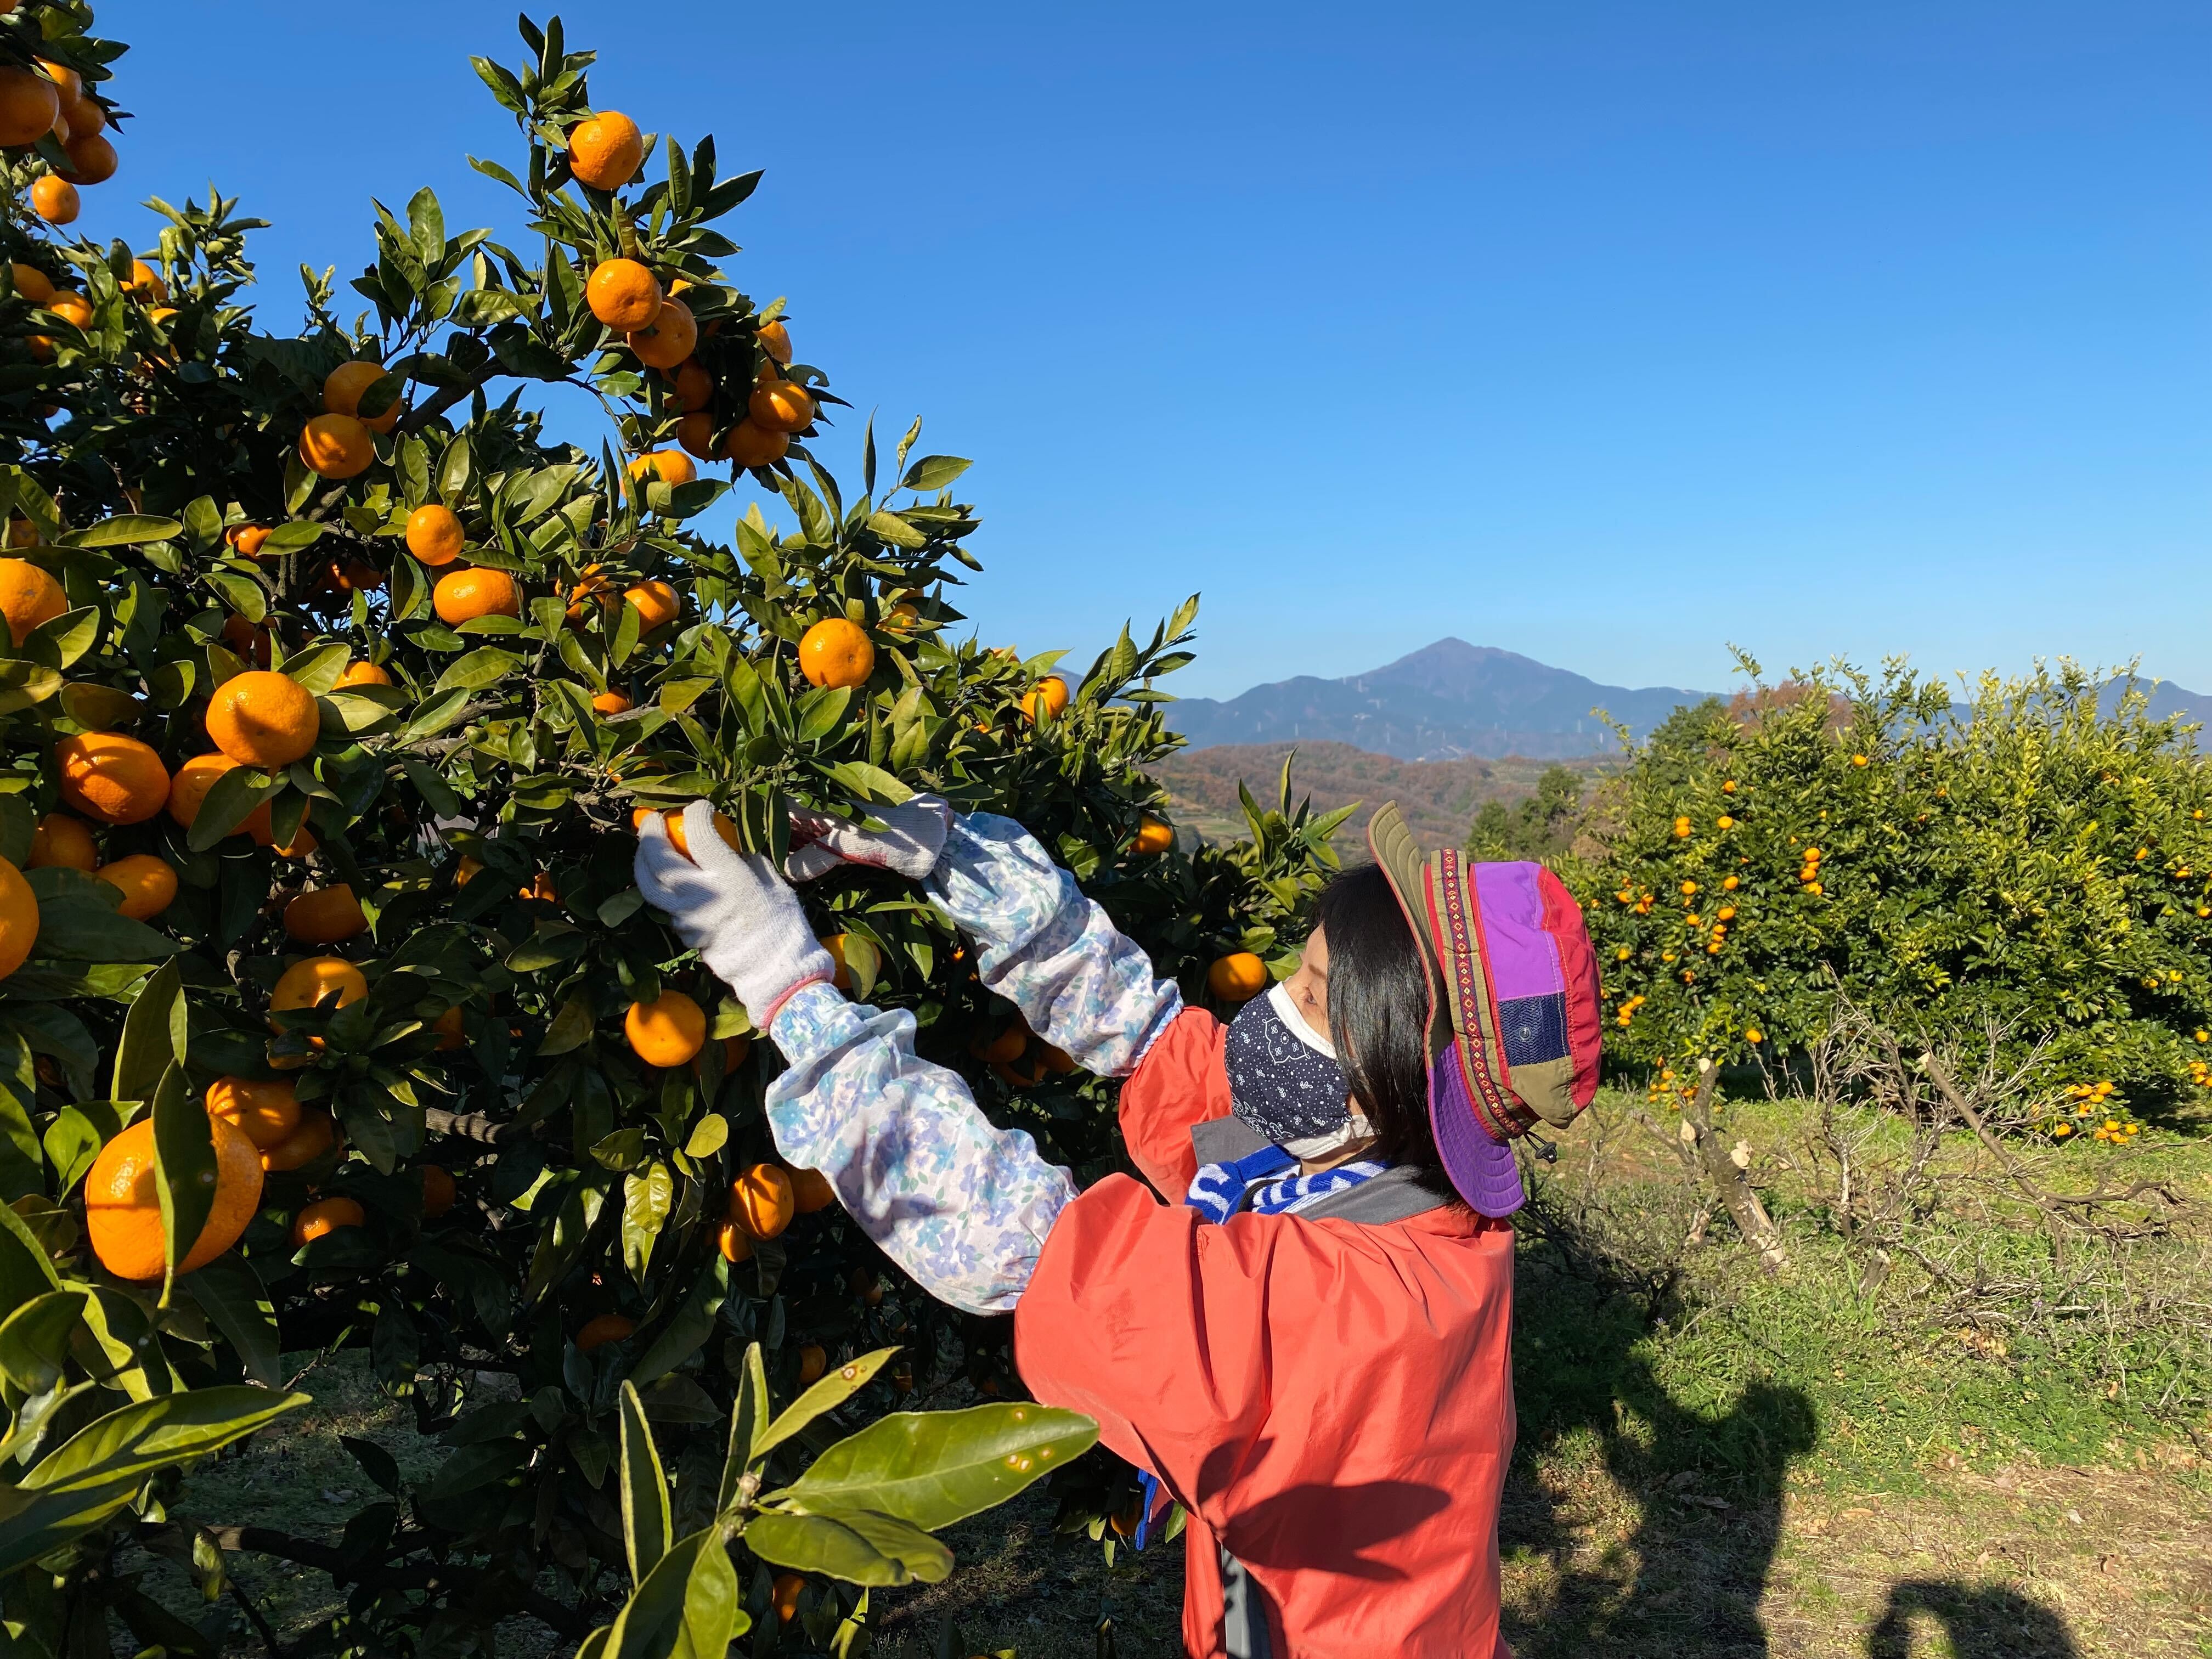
column 1284, row 1080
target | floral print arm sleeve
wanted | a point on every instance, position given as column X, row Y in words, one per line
column 960, row 1205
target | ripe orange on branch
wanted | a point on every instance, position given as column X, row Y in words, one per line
column 623, row 294
column 54, row 199
column 267, row 1114
column 434, row 534
column 327, row 916
column 655, row 603
column 29, row 597
column 463, row 594
column 263, row 719
column 668, row 339
column 606, row 151
column 64, row 840
column 318, row 981
column 604, row 1328
column 836, row 652
column 670, row 1030
column 19, row 919
column 324, row 1217
column 761, row 1200
column 342, row 394
column 1238, row 977
column 112, row 778
column 1154, row 835
column 1046, row 701
column 781, row 406
column 361, row 673
column 751, row 444
column 336, row 446
column 775, row 340
column 122, row 1206
column 314, row 1136
column 92, row 159
column 148, row 884
column 29, row 103
column 670, row 466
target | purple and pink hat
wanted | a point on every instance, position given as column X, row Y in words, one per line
column 1514, row 1018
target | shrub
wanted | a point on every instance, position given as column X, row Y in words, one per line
column 2036, row 858
column 349, row 677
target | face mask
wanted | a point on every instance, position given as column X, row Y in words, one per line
column 1284, row 1080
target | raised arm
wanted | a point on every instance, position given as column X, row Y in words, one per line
column 960, row 1205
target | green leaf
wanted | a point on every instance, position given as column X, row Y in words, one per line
column 645, row 1525
column 837, row 1547
column 748, row 1418
column 229, row 803
column 832, row 1391
column 292, row 537
column 869, row 783
column 101, row 1468
column 689, row 1329
column 822, row 710
column 184, row 1169
column 60, row 642
column 241, row 593
column 426, row 225
column 35, row 1339
column 124, row 529
column 82, row 933
column 897, row 530
column 319, row 666
column 932, row 1468
column 688, row 1607
column 230, row 1293
column 646, row 1200
column 934, row 472
column 154, row 1036
column 479, row 667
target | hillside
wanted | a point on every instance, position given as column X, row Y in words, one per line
column 1446, row 701
column 1439, row 798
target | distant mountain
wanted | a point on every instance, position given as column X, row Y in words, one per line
column 1438, row 798
column 1445, row 702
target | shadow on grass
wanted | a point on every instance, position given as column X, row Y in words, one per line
column 1707, row 1490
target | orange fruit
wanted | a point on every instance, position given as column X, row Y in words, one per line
column 670, row 466
column 812, row 1361
column 19, row 919
column 775, row 340
column 723, row 826
column 692, row 387
column 1238, row 977
column 263, row 719
column 1048, row 700
column 606, row 151
column 695, row 435
column 447, row 1025
column 438, row 1192
column 735, row 1243
column 336, row 446
column 29, row 106
column 539, row 886
column 324, row 1217
column 734, row 1051
column 324, row 982
column 598, row 1332
column 246, row 539
column 91, row 158
column 462, row 594
column 112, row 778
column 361, row 673
column 466, row 871
column 267, row 1114
column 760, row 1200
column 342, row 394
column 62, row 840
column 1154, row 835
column 835, row 652
column 667, row 340
column 315, row 1135
column 189, row 789
column 1006, row 1047
column 29, row 597
column 249, row 643
column 610, row 703
column 54, row 199
column 655, row 602
column 753, row 445
column 68, row 85
column 623, row 294
column 326, row 915
column 434, row 534
column 785, row 1595
column 148, row 884
column 781, row 406
column 31, row 283
column 73, row 308
column 146, row 283
column 810, row 1191
column 83, row 117
column 667, row 1031
column 123, row 1211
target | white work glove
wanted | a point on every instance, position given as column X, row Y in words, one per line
column 733, row 909
column 910, row 842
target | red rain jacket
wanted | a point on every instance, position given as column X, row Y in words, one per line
column 1331, row 1401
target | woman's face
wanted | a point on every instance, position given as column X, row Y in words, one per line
column 1308, row 987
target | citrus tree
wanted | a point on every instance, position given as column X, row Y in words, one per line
column 334, row 684
column 2034, row 860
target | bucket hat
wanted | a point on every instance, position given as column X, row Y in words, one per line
column 1515, row 1022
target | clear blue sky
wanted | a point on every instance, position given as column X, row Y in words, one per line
column 1607, row 332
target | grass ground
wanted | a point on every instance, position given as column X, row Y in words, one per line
column 1713, row 1463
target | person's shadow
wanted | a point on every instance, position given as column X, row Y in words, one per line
column 1708, row 1487
column 1989, row 1622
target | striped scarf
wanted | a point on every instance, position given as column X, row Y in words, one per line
column 1217, row 1193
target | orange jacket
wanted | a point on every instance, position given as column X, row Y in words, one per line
column 1330, row 1402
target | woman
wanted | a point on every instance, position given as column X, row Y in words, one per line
column 1309, row 1344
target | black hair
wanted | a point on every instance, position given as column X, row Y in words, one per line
column 1378, row 1014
